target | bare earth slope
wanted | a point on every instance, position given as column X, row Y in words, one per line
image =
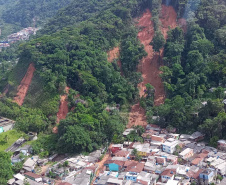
column 63, row 109
column 24, row 85
column 115, row 54
column 149, row 65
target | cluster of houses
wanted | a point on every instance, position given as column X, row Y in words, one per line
column 23, row 34
column 75, row 170
column 164, row 158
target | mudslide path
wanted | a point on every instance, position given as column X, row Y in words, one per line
column 168, row 19
column 115, row 54
column 63, row 109
column 149, row 65
column 24, row 85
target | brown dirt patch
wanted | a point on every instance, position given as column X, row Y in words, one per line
column 149, row 65
column 137, row 116
column 24, row 85
column 63, row 109
column 115, row 54
column 168, row 19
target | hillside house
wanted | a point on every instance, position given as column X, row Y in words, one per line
column 116, row 147
column 206, row 177
column 157, row 140
column 114, row 166
column 6, row 124
column 196, row 136
column 33, row 176
column 127, row 131
column 168, row 174
column 133, row 166
column 30, row 163
column 122, row 153
column 221, row 144
column 142, row 149
column 170, row 146
column 187, row 153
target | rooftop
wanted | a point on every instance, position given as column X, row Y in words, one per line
column 30, row 174
column 184, row 152
column 171, row 143
column 169, row 172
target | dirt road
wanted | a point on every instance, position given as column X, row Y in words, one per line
column 24, row 85
column 101, row 164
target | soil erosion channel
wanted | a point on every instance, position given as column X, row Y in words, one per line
column 63, row 109
column 114, row 54
column 149, row 65
column 24, row 85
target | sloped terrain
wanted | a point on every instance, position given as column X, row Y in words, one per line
column 24, row 85
column 149, row 65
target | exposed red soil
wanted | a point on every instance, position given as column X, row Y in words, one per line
column 115, row 54
column 24, row 85
column 137, row 116
column 149, row 65
column 63, row 109
column 168, row 19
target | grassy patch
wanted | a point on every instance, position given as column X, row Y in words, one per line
column 13, row 135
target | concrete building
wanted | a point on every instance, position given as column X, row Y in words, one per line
column 168, row 174
column 170, row 146
column 6, row 124
column 187, row 153
column 207, row 176
column 221, row 144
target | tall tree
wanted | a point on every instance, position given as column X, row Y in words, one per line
column 158, row 41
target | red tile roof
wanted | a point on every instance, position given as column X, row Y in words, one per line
column 196, row 161
column 160, row 160
column 157, row 138
column 169, row 172
column 194, row 175
column 30, row 174
column 203, row 155
column 120, row 163
column 122, row 153
column 134, row 166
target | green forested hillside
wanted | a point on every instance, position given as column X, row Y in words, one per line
column 17, row 14
column 7, row 28
column 79, row 10
column 76, row 57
